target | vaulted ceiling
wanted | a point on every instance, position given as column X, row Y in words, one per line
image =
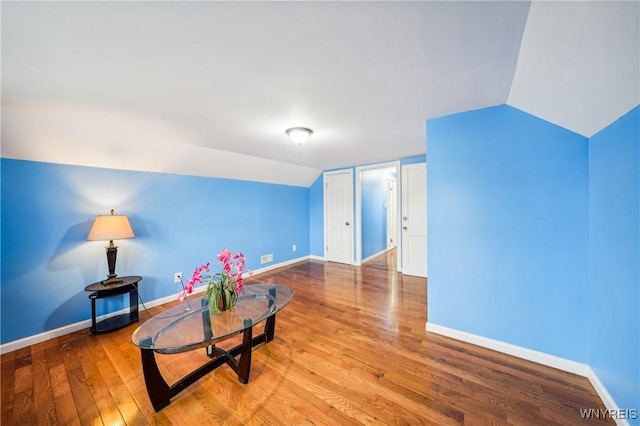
column 209, row 88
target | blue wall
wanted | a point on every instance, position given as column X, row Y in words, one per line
column 614, row 258
column 508, row 230
column 413, row 160
column 534, row 238
column 316, row 218
column 179, row 221
column 373, row 184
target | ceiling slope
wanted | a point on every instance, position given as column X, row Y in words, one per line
column 209, row 88
column 579, row 63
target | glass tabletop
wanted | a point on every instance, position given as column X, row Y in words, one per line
column 191, row 325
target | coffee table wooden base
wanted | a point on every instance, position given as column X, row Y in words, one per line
column 160, row 392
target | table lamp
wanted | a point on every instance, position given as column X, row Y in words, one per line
column 111, row 227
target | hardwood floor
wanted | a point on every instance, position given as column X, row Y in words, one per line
column 351, row 348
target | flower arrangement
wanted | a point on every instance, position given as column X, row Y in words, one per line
column 223, row 287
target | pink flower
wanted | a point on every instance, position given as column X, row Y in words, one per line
column 232, row 267
column 224, row 256
column 195, row 279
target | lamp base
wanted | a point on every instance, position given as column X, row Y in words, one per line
column 112, row 252
column 112, row 281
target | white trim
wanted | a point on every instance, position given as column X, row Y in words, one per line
column 277, row 265
column 604, row 395
column 47, row 335
column 373, row 256
column 509, row 349
column 81, row 325
column 553, row 361
column 403, row 207
column 358, row 202
column 393, row 226
column 349, row 171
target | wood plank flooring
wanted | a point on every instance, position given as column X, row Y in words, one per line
column 350, row 349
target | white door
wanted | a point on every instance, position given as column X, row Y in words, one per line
column 391, row 214
column 338, row 208
column 414, row 219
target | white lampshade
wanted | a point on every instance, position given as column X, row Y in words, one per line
column 110, row 227
column 299, row 134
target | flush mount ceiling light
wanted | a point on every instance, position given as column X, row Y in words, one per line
column 299, row 134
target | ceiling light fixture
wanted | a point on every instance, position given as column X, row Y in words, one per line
column 299, row 134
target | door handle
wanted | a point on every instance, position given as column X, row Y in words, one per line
column 404, row 218
column 347, row 223
column 404, row 227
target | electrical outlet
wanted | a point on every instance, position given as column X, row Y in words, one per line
column 266, row 258
column 177, row 277
column 294, row 248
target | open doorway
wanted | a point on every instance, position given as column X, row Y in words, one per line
column 377, row 204
column 392, row 213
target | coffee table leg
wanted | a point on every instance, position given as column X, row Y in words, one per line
column 244, row 363
column 160, row 393
column 270, row 329
column 270, row 325
column 157, row 388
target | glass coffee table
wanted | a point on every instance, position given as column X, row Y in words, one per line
column 192, row 325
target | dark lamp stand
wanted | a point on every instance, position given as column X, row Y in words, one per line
column 112, row 253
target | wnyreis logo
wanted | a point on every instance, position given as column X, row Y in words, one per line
column 599, row 413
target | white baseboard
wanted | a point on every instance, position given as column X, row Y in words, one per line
column 563, row 364
column 37, row 338
column 278, row 265
column 373, row 256
column 72, row 328
column 604, row 395
column 509, row 349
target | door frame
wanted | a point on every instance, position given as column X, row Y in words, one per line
column 326, row 215
column 358, row 238
column 392, row 219
column 402, row 207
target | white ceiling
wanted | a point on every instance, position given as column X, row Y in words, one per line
column 209, row 88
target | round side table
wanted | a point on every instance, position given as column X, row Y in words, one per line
column 100, row 291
